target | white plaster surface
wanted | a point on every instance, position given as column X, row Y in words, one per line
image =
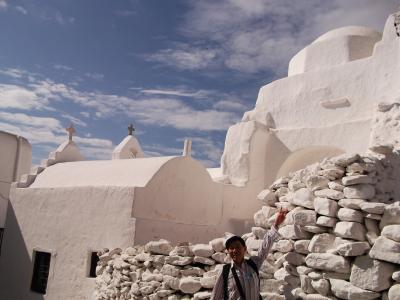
column 15, row 160
column 128, row 148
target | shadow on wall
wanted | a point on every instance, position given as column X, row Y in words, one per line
column 14, row 267
column 304, row 157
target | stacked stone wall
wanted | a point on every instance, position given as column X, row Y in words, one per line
column 340, row 240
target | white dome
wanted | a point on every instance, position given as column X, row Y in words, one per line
column 350, row 31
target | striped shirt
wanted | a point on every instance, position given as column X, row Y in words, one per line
column 247, row 277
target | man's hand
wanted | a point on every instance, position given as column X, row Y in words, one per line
column 280, row 217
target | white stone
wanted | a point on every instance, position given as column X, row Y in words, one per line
column 326, row 221
column 359, row 191
column 219, row 257
column 335, row 186
column 304, row 217
column 351, row 203
column 204, row 260
column 171, row 282
column 373, row 231
column 356, row 179
column 314, row 181
column 351, row 215
column 346, row 290
column 394, row 292
column 258, row 232
column 305, row 283
column 373, row 207
column 208, row 282
column 396, row 276
column 189, row 285
column 326, row 207
column 203, row 250
column 321, row 243
column 301, row 246
column 328, row 262
column 329, row 193
column 345, row 159
column 392, row 232
column 294, row 258
column 391, row 215
column 315, row 229
column 352, row 248
column 321, row 286
column 267, row 197
column 283, row 246
column 218, row 244
column 386, row 249
column 304, row 197
column 293, row 232
column 371, row 274
column 202, row 295
column 350, row 230
column 159, row 247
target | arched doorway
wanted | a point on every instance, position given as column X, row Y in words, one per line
column 301, row 158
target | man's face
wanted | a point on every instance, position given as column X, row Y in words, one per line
column 236, row 251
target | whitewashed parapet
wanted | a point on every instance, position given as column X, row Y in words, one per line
column 340, row 241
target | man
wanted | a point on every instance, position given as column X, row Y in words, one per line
column 240, row 280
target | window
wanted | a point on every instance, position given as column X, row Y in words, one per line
column 94, row 259
column 40, row 272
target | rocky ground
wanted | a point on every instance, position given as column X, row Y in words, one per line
column 340, row 240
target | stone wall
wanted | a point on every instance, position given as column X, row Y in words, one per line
column 340, row 240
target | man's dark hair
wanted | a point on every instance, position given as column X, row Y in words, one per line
column 234, row 239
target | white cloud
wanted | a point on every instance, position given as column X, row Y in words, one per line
column 153, row 107
column 56, row 16
column 47, row 133
column 179, row 93
column 21, row 9
column 262, row 35
column 14, row 96
column 74, row 120
column 62, row 67
column 95, row 76
column 230, row 105
column 185, row 57
column 3, row 5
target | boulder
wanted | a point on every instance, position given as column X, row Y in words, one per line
column 351, row 203
column 321, row 243
column 394, row 292
column 267, row 197
column 353, row 248
column 373, row 207
column 386, row 249
column 345, row 290
column 316, row 182
column 321, row 286
column 329, row 262
column 304, row 217
column 391, row 215
column 351, row 215
column 356, row 179
column 203, row 250
column 329, row 193
column 294, row 232
column 301, row 246
column 359, row 191
column 326, row 207
column 303, row 197
column 350, row 230
column 392, row 232
column 326, row 221
column 345, row 159
column 189, row 285
column 305, row 283
column 283, row 246
column 159, row 247
column 396, row 276
column 371, row 274
column 217, row 244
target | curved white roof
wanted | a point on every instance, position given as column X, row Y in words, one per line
column 350, row 31
column 125, row 172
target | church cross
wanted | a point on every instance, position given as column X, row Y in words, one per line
column 131, row 129
column 71, row 131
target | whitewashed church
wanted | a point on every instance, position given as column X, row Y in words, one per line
column 67, row 209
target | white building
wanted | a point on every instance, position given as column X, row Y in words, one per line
column 15, row 160
column 326, row 106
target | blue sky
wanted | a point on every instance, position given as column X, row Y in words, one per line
column 175, row 69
